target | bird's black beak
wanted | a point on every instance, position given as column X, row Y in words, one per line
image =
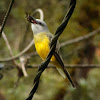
column 31, row 19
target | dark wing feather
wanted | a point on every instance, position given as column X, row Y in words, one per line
column 63, row 68
column 59, row 58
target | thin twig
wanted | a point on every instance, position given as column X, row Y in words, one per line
column 11, row 53
column 40, row 12
column 7, row 43
column 87, row 36
column 6, row 16
column 23, row 62
column 20, row 54
column 10, row 67
column 71, row 66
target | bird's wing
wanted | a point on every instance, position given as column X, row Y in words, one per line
column 57, row 56
column 59, row 59
column 50, row 36
column 57, row 51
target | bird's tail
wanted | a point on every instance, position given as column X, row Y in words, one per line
column 60, row 70
column 64, row 72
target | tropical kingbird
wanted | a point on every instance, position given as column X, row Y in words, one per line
column 42, row 40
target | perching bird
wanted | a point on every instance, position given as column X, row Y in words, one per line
column 42, row 40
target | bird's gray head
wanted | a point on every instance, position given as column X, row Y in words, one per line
column 37, row 25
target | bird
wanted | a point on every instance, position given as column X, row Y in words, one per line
column 42, row 39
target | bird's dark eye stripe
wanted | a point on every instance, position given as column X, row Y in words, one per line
column 40, row 23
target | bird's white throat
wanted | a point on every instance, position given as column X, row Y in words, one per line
column 37, row 28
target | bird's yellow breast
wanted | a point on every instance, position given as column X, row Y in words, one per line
column 42, row 45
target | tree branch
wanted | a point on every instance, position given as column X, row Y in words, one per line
column 18, row 66
column 10, row 67
column 6, row 16
column 87, row 36
column 20, row 54
column 40, row 12
column 7, row 43
column 71, row 66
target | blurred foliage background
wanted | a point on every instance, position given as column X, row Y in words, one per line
column 85, row 19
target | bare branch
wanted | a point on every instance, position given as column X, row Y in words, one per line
column 71, row 66
column 20, row 54
column 87, row 36
column 11, row 53
column 9, row 67
column 7, row 43
column 41, row 13
column 23, row 61
column 6, row 16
